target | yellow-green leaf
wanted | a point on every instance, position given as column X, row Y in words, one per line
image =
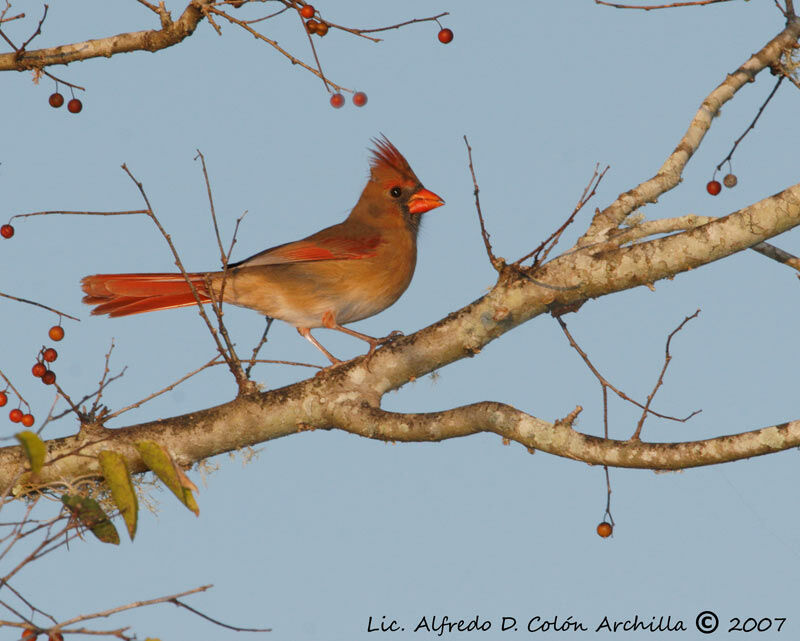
column 34, row 449
column 91, row 516
column 160, row 462
column 116, row 473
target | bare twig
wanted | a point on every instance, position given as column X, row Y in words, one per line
column 230, row 358
column 35, row 33
column 81, row 213
column 496, row 262
column 274, row 44
column 660, row 381
column 129, row 606
column 672, row 5
column 171, row 386
column 31, row 302
column 752, row 124
column 216, row 621
column 258, row 347
column 547, row 245
column 605, row 383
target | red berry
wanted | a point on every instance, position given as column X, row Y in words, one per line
column 312, row 26
column 74, row 106
column 50, row 355
column 713, row 187
column 6, row 231
column 337, row 101
column 604, row 529
column 55, row 636
column 28, row 635
column 56, row 332
column 49, row 377
column 359, row 99
column 322, row 29
column 15, row 415
column 3, row 398
column 307, row 11
column 56, row 100
column 27, row 420
column 445, row 36
column 38, row 370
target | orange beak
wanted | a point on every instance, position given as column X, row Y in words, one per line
column 423, row 201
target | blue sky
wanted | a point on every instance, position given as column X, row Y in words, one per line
column 320, row 531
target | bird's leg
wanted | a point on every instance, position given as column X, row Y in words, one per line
column 305, row 332
column 329, row 321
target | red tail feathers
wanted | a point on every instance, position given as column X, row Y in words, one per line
column 126, row 294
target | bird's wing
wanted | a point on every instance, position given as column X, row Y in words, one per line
column 313, row 249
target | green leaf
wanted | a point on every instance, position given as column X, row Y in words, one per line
column 160, row 462
column 91, row 516
column 116, row 473
column 34, row 449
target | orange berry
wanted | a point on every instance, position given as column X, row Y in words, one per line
column 359, row 99
column 3, row 398
column 15, row 415
column 28, row 634
column 49, row 377
column 55, row 636
column 27, row 420
column 307, row 11
column 713, row 187
column 445, row 36
column 312, row 26
column 322, row 29
column 50, row 355
column 56, row 332
column 56, row 100
column 337, row 101
column 38, row 370
column 604, row 529
column 74, row 106
column 6, row 231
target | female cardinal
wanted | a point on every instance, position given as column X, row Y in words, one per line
column 341, row 274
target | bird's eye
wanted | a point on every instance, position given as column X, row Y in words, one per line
column 395, row 192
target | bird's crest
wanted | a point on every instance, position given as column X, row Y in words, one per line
column 387, row 164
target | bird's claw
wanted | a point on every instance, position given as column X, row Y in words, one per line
column 388, row 339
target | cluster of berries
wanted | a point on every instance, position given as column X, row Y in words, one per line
column 713, row 187
column 39, row 370
column 74, row 106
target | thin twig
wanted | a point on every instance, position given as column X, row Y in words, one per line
column 672, row 5
column 258, row 347
column 752, row 124
column 497, row 263
column 233, row 364
column 216, row 621
column 551, row 241
column 81, row 213
column 604, row 382
column 35, row 33
column 130, row 606
column 31, row 302
column 660, row 381
column 171, row 386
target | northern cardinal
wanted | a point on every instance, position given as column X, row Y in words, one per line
column 341, row 274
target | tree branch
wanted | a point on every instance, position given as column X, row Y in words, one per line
column 334, row 394
column 170, row 34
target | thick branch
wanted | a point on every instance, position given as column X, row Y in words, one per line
column 559, row 438
column 669, row 175
column 328, row 399
column 170, row 34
